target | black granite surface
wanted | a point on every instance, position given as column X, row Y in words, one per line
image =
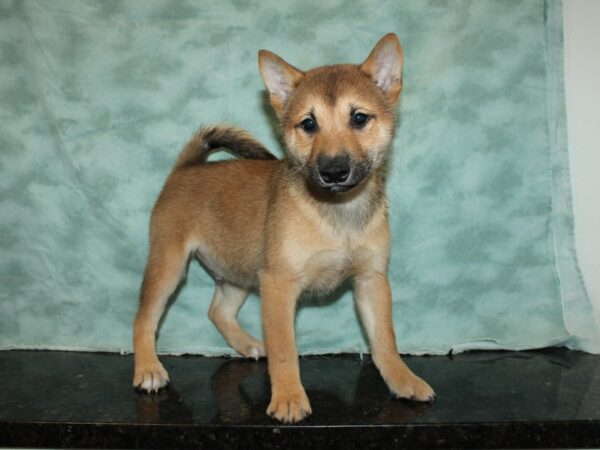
column 541, row 399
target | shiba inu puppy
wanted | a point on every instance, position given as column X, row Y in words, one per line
column 304, row 223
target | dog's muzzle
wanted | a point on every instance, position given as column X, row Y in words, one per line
column 336, row 174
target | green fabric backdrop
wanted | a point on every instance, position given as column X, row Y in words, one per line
column 97, row 98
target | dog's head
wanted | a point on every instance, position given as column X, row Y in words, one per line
column 338, row 121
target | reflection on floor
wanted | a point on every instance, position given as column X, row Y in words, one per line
column 547, row 398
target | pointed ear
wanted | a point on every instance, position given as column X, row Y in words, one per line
column 384, row 66
column 280, row 78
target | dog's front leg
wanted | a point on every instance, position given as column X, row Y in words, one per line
column 374, row 301
column 279, row 295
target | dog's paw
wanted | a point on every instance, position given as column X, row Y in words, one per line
column 151, row 377
column 254, row 350
column 289, row 406
column 412, row 388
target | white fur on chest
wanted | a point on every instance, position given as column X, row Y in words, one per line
column 323, row 271
column 336, row 252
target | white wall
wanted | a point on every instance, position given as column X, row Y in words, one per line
column 582, row 80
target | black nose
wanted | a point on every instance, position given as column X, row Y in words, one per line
column 334, row 170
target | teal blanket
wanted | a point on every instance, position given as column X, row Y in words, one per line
column 98, row 97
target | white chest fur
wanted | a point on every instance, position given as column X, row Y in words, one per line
column 321, row 268
column 324, row 270
column 326, row 247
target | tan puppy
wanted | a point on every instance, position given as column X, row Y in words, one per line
column 303, row 223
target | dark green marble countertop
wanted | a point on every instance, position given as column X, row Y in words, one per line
column 534, row 399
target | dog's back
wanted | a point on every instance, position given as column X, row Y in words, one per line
column 218, row 211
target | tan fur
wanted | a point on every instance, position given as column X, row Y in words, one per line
column 267, row 225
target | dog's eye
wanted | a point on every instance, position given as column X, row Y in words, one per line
column 309, row 125
column 359, row 120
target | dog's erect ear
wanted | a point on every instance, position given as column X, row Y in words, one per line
column 280, row 78
column 384, row 66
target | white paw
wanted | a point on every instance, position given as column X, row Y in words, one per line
column 254, row 351
column 150, row 378
column 413, row 388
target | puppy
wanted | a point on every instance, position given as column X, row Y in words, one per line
column 304, row 223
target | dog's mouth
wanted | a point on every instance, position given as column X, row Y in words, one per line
column 338, row 174
column 339, row 187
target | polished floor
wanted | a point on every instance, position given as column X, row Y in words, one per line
column 534, row 399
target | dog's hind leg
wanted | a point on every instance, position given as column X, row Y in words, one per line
column 165, row 269
column 226, row 302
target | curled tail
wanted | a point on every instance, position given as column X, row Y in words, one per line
column 233, row 139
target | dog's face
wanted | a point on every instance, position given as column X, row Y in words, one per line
column 338, row 121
